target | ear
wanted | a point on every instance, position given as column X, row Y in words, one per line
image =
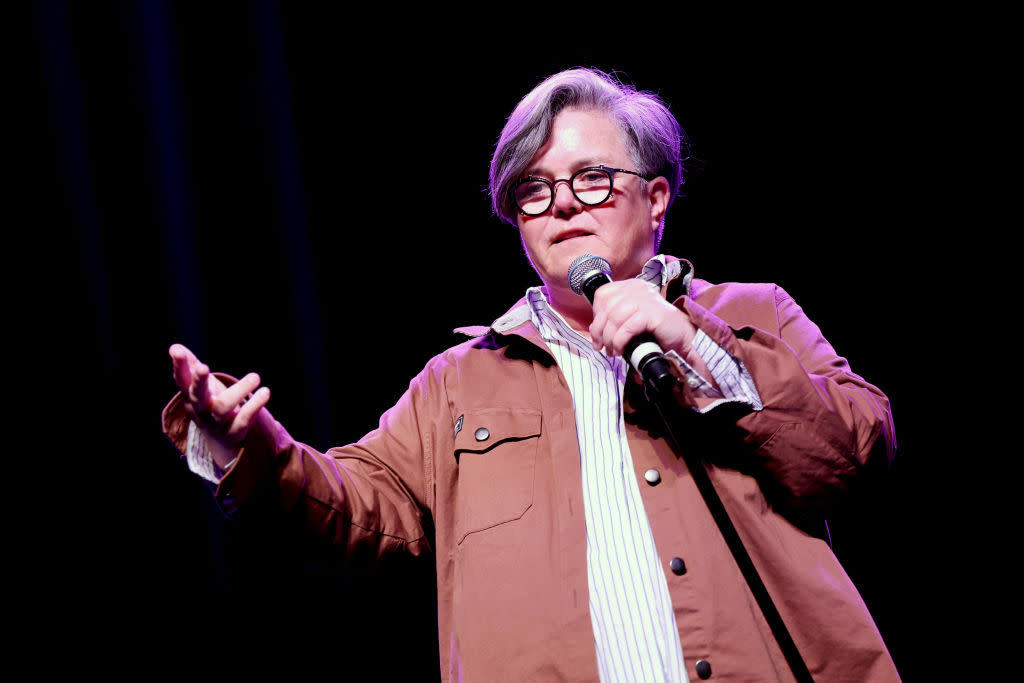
column 658, row 193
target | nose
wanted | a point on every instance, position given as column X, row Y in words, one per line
column 565, row 203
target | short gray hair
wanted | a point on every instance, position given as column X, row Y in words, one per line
column 654, row 139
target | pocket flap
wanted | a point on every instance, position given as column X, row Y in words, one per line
column 482, row 430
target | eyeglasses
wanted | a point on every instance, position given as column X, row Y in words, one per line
column 591, row 186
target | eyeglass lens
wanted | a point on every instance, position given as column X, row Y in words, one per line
column 590, row 186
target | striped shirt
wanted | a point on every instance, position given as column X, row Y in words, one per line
column 635, row 633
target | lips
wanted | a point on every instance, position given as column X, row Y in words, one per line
column 570, row 234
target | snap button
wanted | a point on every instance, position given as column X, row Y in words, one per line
column 677, row 566
column 703, row 669
column 652, row 476
column 482, row 434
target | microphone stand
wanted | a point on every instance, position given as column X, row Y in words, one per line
column 659, row 383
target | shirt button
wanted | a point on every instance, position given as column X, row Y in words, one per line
column 677, row 565
column 653, row 477
column 693, row 382
column 482, row 434
column 703, row 669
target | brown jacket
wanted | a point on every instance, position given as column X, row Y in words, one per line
column 507, row 511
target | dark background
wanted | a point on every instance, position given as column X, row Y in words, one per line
column 256, row 180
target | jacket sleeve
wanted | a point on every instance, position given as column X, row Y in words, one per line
column 372, row 497
column 821, row 428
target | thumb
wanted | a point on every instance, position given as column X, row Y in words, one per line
column 184, row 363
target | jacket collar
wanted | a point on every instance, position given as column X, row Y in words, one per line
column 515, row 321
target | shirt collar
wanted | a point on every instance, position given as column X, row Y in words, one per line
column 660, row 270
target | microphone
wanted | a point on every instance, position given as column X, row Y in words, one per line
column 586, row 274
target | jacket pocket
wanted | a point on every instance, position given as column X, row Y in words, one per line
column 496, row 451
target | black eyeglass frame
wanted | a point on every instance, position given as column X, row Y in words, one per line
column 568, row 181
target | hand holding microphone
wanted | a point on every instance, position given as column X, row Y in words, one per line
column 631, row 319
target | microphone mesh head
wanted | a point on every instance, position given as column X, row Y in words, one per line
column 583, row 266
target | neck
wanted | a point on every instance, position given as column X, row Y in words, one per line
column 576, row 310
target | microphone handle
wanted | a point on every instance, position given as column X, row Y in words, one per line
column 647, row 358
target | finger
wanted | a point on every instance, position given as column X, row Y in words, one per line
column 602, row 331
column 603, row 302
column 624, row 317
column 639, row 311
column 247, row 414
column 596, row 332
column 200, row 391
column 180, row 350
column 632, row 327
column 613, row 303
column 183, row 361
column 227, row 402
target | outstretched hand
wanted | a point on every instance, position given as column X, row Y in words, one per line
column 224, row 414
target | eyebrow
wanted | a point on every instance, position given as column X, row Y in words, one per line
column 583, row 163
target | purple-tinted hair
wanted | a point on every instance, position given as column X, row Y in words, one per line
column 654, row 139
